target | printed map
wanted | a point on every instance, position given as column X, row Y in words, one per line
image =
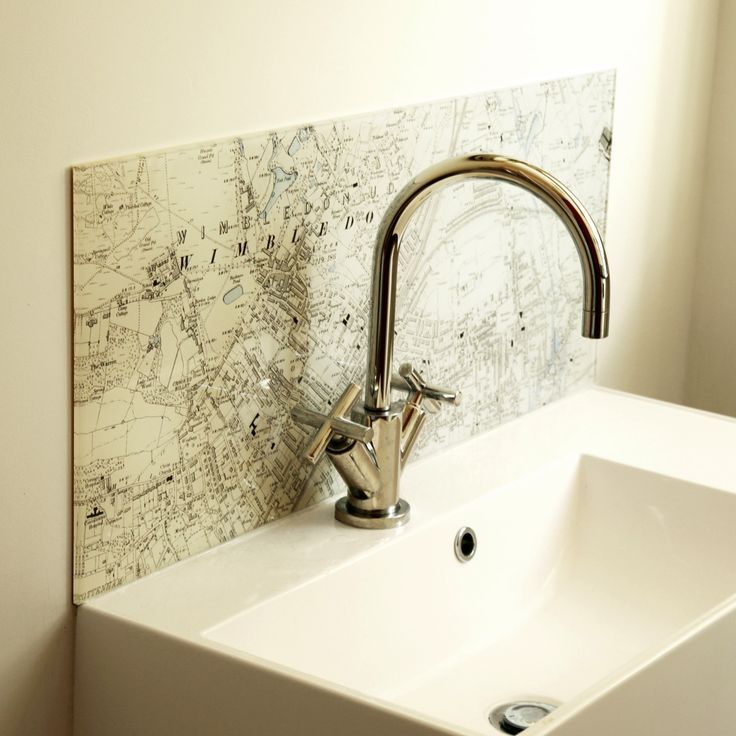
column 218, row 284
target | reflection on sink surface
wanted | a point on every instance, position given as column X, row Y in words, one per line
column 580, row 567
column 604, row 579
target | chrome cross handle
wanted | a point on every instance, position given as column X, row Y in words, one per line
column 410, row 379
column 334, row 423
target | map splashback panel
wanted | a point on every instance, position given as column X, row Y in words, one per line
column 218, row 284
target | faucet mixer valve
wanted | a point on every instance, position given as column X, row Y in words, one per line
column 411, row 379
column 332, row 424
column 370, row 458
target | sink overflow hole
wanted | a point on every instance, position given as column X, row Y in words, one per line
column 465, row 544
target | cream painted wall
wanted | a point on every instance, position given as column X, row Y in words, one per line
column 83, row 80
column 711, row 377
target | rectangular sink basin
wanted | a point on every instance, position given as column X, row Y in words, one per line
column 603, row 579
column 579, row 567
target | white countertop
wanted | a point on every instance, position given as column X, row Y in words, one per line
column 676, row 441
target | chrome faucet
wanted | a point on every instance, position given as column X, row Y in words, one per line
column 370, row 448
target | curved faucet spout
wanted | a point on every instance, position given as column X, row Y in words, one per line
column 561, row 200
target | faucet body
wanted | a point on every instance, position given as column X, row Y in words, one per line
column 370, row 454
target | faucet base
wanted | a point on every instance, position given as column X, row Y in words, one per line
column 385, row 519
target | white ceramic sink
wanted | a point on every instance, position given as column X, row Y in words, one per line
column 603, row 557
column 580, row 567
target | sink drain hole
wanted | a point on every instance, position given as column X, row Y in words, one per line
column 515, row 717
